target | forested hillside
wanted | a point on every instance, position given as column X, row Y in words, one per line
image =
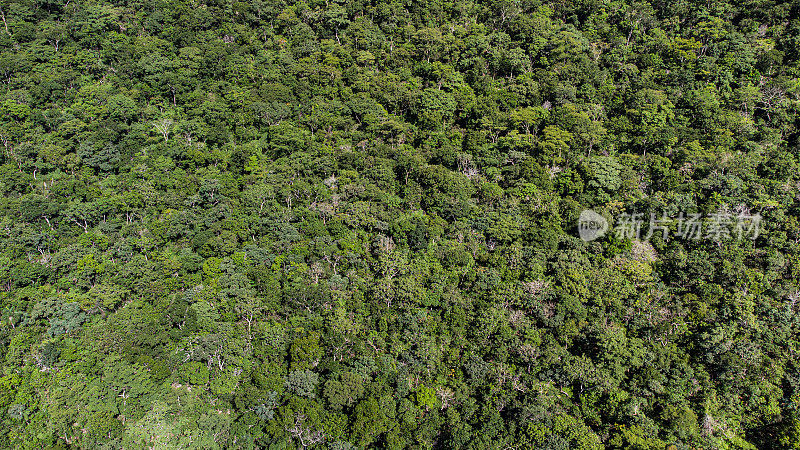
column 353, row 224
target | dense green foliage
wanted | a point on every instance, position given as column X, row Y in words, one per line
column 353, row 224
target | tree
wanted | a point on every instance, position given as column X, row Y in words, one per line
column 345, row 391
column 303, row 382
column 555, row 145
column 164, row 127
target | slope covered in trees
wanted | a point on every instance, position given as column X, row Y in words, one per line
column 353, row 224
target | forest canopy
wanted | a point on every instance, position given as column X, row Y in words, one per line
column 355, row 224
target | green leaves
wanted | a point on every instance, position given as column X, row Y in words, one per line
column 345, row 391
column 353, row 224
column 303, row 383
column 435, row 108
